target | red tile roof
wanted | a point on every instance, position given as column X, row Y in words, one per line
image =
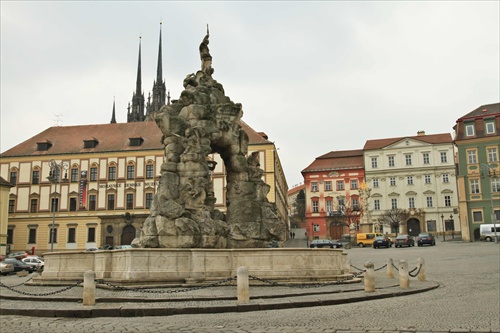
column 432, row 139
column 110, row 137
column 337, row 160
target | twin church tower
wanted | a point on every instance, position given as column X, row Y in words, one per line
column 140, row 110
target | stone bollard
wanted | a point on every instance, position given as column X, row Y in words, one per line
column 369, row 277
column 390, row 268
column 421, row 274
column 404, row 277
column 89, row 288
column 243, row 286
column 347, row 265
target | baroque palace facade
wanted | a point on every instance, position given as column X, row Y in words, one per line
column 107, row 180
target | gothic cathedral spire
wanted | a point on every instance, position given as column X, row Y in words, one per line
column 137, row 111
column 159, row 89
column 113, row 117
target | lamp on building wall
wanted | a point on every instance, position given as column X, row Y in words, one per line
column 491, row 174
column 54, row 177
column 442, row 219
column 452, row 227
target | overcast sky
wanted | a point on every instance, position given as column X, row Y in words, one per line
column 314, row 76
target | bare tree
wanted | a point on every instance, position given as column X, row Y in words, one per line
column 394, row 217
column 299, row 208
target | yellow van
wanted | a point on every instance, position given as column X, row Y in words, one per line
column 366, row 239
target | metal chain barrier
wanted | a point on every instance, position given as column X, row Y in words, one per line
column 165, row 291
column 364, row 270
column 41, row 294
column 413, row 270
column 20, row 284
column 395, row 267
column 304, row 286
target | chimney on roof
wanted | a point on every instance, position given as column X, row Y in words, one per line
column 485, row 110
column 421, row 133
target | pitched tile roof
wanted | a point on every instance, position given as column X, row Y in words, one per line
column 110, row 138
column 337, row 160
column 483, row 110
column 4, row 183
column 431, row 138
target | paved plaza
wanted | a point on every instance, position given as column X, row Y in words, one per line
column 467, row 299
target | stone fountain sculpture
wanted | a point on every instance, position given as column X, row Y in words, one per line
column 183, row 215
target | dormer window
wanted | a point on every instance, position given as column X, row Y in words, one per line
column 43, row 146
column 135, row 142
column 90, row 143
column 469, row 130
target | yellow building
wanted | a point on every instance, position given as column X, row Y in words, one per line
column 109, row 174
column 4, row 215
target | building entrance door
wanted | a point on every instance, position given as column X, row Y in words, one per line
column 413, row 227
column 128, row 235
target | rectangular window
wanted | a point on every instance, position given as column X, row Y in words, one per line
column 33, row 205
column 444, row 157
column 314, row 187
column 329, row 205
column 92, row 202
column 10, row 236
column 74, row 175
column 471, row 157
column 376, row 204
column 112, row 173
column 409, row 180
column 53, row 236
column 355, row 204
column 375, row 182
column 426, row 158
column 340, row 185
column 446, row 178
column 429, row 202
column 495, row 185
column 477, row 217
column 497, row 215
column 35, row 179
column 111, row 201
column 149, row 171
column 315, row 207
column 13, row 177
column 354, row 184
column 447, row 200
column 492, row 154
column 130, row 172
column 93, row 174
column 490, row 128
column 408, row 159
column 328, row 186
column 411, row 202
column 474, row 186
column 54, row 207
column 32, row 236
column 130, row 201
column 427, row 179
column 149, row 200
column 341, row 203
column 91, row 235
column 12, row 206
column 431, row 225
column 72, row 204
column 392, row 181
column 316, row 227
column 72, row 235
column 374, row 163
column 391, row 160
column 394, row 203
column 469, row 130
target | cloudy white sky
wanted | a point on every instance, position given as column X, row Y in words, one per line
column 315, row 76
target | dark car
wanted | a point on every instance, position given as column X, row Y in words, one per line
column 382, row 241
column 318, row 243
column 425, row 238
column 19, row 265
column 18, row 255
column 404, row 240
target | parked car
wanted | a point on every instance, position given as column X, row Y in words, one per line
column 19, row 265
column 6, row 268
column 319, row 243
column 425, row 238
column 382, row 241
column 404, row 240
column 35, row 262
column 18, row 255
column 121, row 247
column 364, row 239
column 92, row 249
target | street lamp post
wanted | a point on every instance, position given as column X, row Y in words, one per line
column 442, row 219
column 55, row 178
column 491, row 174
column 452, row 227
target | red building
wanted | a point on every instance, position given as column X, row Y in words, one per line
column 332, row 187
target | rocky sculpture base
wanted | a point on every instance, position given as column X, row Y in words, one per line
column 144, row 267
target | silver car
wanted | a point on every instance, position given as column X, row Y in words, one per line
column 35, row 262
column 6, row 268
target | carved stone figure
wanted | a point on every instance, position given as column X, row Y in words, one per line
column 204, row 121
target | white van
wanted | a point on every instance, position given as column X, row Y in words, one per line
column 487, row 232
